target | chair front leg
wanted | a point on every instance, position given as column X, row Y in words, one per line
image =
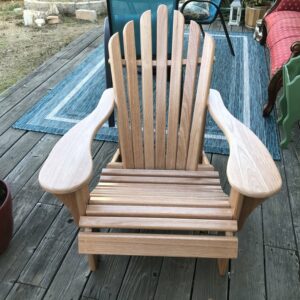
column 76, row 203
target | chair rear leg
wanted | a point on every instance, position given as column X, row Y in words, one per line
column 223, row 265
column 226, row 33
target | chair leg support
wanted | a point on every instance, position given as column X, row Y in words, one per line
column 223, row 265
column 226, row 34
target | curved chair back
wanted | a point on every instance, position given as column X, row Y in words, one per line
column 172, row 136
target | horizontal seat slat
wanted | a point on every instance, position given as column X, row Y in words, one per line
column 158, row 245
column 158, row 223
column 161, row 173
column 159, row 201
column 160, row 180
column 158, row 211
column 159, row 187
column 119, row 165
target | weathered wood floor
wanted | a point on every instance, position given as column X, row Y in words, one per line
column 42, row 261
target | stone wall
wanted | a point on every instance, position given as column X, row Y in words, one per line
column 68, row 7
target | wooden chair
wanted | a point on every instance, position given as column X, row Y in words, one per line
column 161, row 179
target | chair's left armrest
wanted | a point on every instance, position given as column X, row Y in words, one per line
column 251, row 169
column 69, row 166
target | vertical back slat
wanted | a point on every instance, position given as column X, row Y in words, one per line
column 125, row 137
column 188, row 95
column 133, row 94
column 175, row 88
column 161, row 85
column 199, row 116
column 147, row 85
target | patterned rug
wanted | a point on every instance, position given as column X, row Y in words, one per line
column 242, row 81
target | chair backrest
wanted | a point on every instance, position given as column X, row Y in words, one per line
column 212, row 8
column 122, row 11
column 161, row 140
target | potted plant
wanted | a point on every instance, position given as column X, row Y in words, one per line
column 255, row 10
column 6, row 218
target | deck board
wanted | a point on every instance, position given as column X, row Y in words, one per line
column 42, row 261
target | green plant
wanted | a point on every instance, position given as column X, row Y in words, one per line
column 256, row 2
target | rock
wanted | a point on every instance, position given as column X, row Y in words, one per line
column 28, row 17
column 86, row 14
column 53, row 10
column 40, row 22
column 53, row 20
column 18, row 10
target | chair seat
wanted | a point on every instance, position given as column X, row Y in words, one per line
column 162, row 200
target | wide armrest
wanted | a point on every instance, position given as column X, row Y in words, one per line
column 70, row 165
column 251, row 169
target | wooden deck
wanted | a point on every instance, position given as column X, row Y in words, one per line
column 42, row 261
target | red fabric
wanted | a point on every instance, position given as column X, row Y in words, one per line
column 283, row 30
column 292, row 5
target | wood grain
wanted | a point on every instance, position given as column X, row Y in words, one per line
column 199, row 115
column 147, row 86
column 158, row 245
column 188, row 96
column 161, row 86
column 251, row 169
column 66, row 170
column 125, row 135
column 133, row 94
column 175, row 89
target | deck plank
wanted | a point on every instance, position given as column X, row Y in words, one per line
column 277, row 218
column 141, row 278
column 22, row 291
column 26, row 241
column 282, row 272
column 48, row 256
column 247, row 272
column 208, row 284
column 179, row 273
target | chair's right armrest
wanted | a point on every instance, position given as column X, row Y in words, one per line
column 69, row 166
column 250, row 170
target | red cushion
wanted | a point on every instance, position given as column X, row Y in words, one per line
column 283, row 30
column 293, row 5
column 280, row 54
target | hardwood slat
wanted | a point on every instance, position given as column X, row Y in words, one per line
column 200, row 109
column 158, row 211
column 161, row 180
column 157, row 223
column 157, row 245
column 155, row 62
column 133, row 94
column 161, row 173
column 161, row 86
column 188, row 96
column 157, row 187
column 175, row 88
column 160, row 202
column 147, row 88
column 125, row 136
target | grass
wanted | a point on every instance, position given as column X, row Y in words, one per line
column 23, row 49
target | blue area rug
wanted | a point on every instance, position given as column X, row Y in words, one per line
column 242, row 81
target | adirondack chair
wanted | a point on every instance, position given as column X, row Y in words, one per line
column 160, row 179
